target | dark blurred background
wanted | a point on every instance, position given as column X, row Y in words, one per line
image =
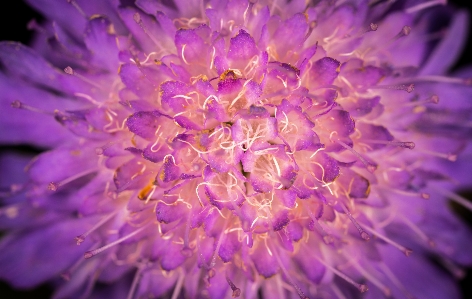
column 14, row 17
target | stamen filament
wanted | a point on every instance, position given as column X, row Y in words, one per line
column 361, row 287
column 70, row 71
column 368, row 165
column 82, row 237
column 363, row 234
column 19, row 105
column 91, row 253
column 403, row 249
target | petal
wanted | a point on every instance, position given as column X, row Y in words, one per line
column 323, row 72
column 62, row 163
column 102, row 43
column 294, row 30
column 266, row 264
column 450, row 47
column 144, row 123
column 229, row 246
column 242, row 46
column 25, row 266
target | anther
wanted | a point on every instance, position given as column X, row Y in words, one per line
column 33, row 25
column 236, row 290
column 405, row 87
column 406, row 30
column 53, row 186
column 99, row 151
column 370, row 28
column 433, row 99
column 91, row 253
column 421, row 6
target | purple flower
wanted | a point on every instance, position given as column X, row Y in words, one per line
column 253, row 149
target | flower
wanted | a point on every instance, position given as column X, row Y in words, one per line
column 217, row 149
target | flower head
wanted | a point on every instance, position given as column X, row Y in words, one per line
column 217, row 149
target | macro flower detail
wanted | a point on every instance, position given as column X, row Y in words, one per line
column 253, row 149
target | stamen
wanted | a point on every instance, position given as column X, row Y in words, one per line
column 421, row 6
column 328, row 239
column 404, row 144
column 79, row 9
column 418, row 231
column 337, row 291
column 434, row 99
column 373, row 278
column 395, row 280
column 289, row 277
column 310, row 29
column 448, row 156
column 178, row 286
column 403, row 249
column 236, row 290
column 363, row 234
column 91, row 253
column 442, row 79
column 19, row 105
column 186, row 250
column 33, row 25
column 70, row 71
column 139, row 21
column 423, row 195
column 370, row 167
column 53, row 186
column 134, row 284
column 218, row 245
column 10, row 211
column 458, row 272
column 361, row 287
column 408, row 88
column 82, row 237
